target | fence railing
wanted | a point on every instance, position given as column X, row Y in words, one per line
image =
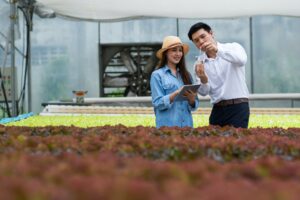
column 287, row 100
column 115, row 110
column 292, row 98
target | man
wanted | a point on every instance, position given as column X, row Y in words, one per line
column 221, row 72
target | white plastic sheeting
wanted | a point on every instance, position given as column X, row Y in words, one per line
column 105, row 10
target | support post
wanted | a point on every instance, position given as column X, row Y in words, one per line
column 13, row 18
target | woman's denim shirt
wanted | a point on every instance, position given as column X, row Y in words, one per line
column 177, row 113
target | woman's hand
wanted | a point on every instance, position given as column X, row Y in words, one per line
column 191, row 96
column 174, row 94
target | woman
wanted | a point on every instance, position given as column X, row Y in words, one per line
column 167, row 81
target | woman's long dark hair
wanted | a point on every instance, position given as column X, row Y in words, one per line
column 185, row 75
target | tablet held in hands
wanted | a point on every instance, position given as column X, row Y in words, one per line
column 181, row 97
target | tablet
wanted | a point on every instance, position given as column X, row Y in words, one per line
column 180, row 96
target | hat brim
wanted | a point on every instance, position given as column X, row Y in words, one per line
column 160, row 52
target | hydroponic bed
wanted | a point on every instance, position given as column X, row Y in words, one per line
column 140, row 162
column 265, row 121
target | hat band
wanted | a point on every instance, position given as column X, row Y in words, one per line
column 174, row 45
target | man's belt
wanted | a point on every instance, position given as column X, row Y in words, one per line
column 231, row 102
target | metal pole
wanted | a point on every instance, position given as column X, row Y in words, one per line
column 29, row 98
column 251, row 55
column 177, row 27
column 100, row 59
column 13, row 18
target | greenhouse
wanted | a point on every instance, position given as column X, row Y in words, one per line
column 77, row 117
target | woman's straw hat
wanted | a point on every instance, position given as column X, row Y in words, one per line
column 170, row 42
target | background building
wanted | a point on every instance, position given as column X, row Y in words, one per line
column 68, row 55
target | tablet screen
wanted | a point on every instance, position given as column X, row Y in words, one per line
column 180, row 96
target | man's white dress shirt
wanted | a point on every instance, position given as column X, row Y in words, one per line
column 226, row 73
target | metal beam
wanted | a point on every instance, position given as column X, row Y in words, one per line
column 13, row 18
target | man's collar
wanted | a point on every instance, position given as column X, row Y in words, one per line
column 203, row 57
